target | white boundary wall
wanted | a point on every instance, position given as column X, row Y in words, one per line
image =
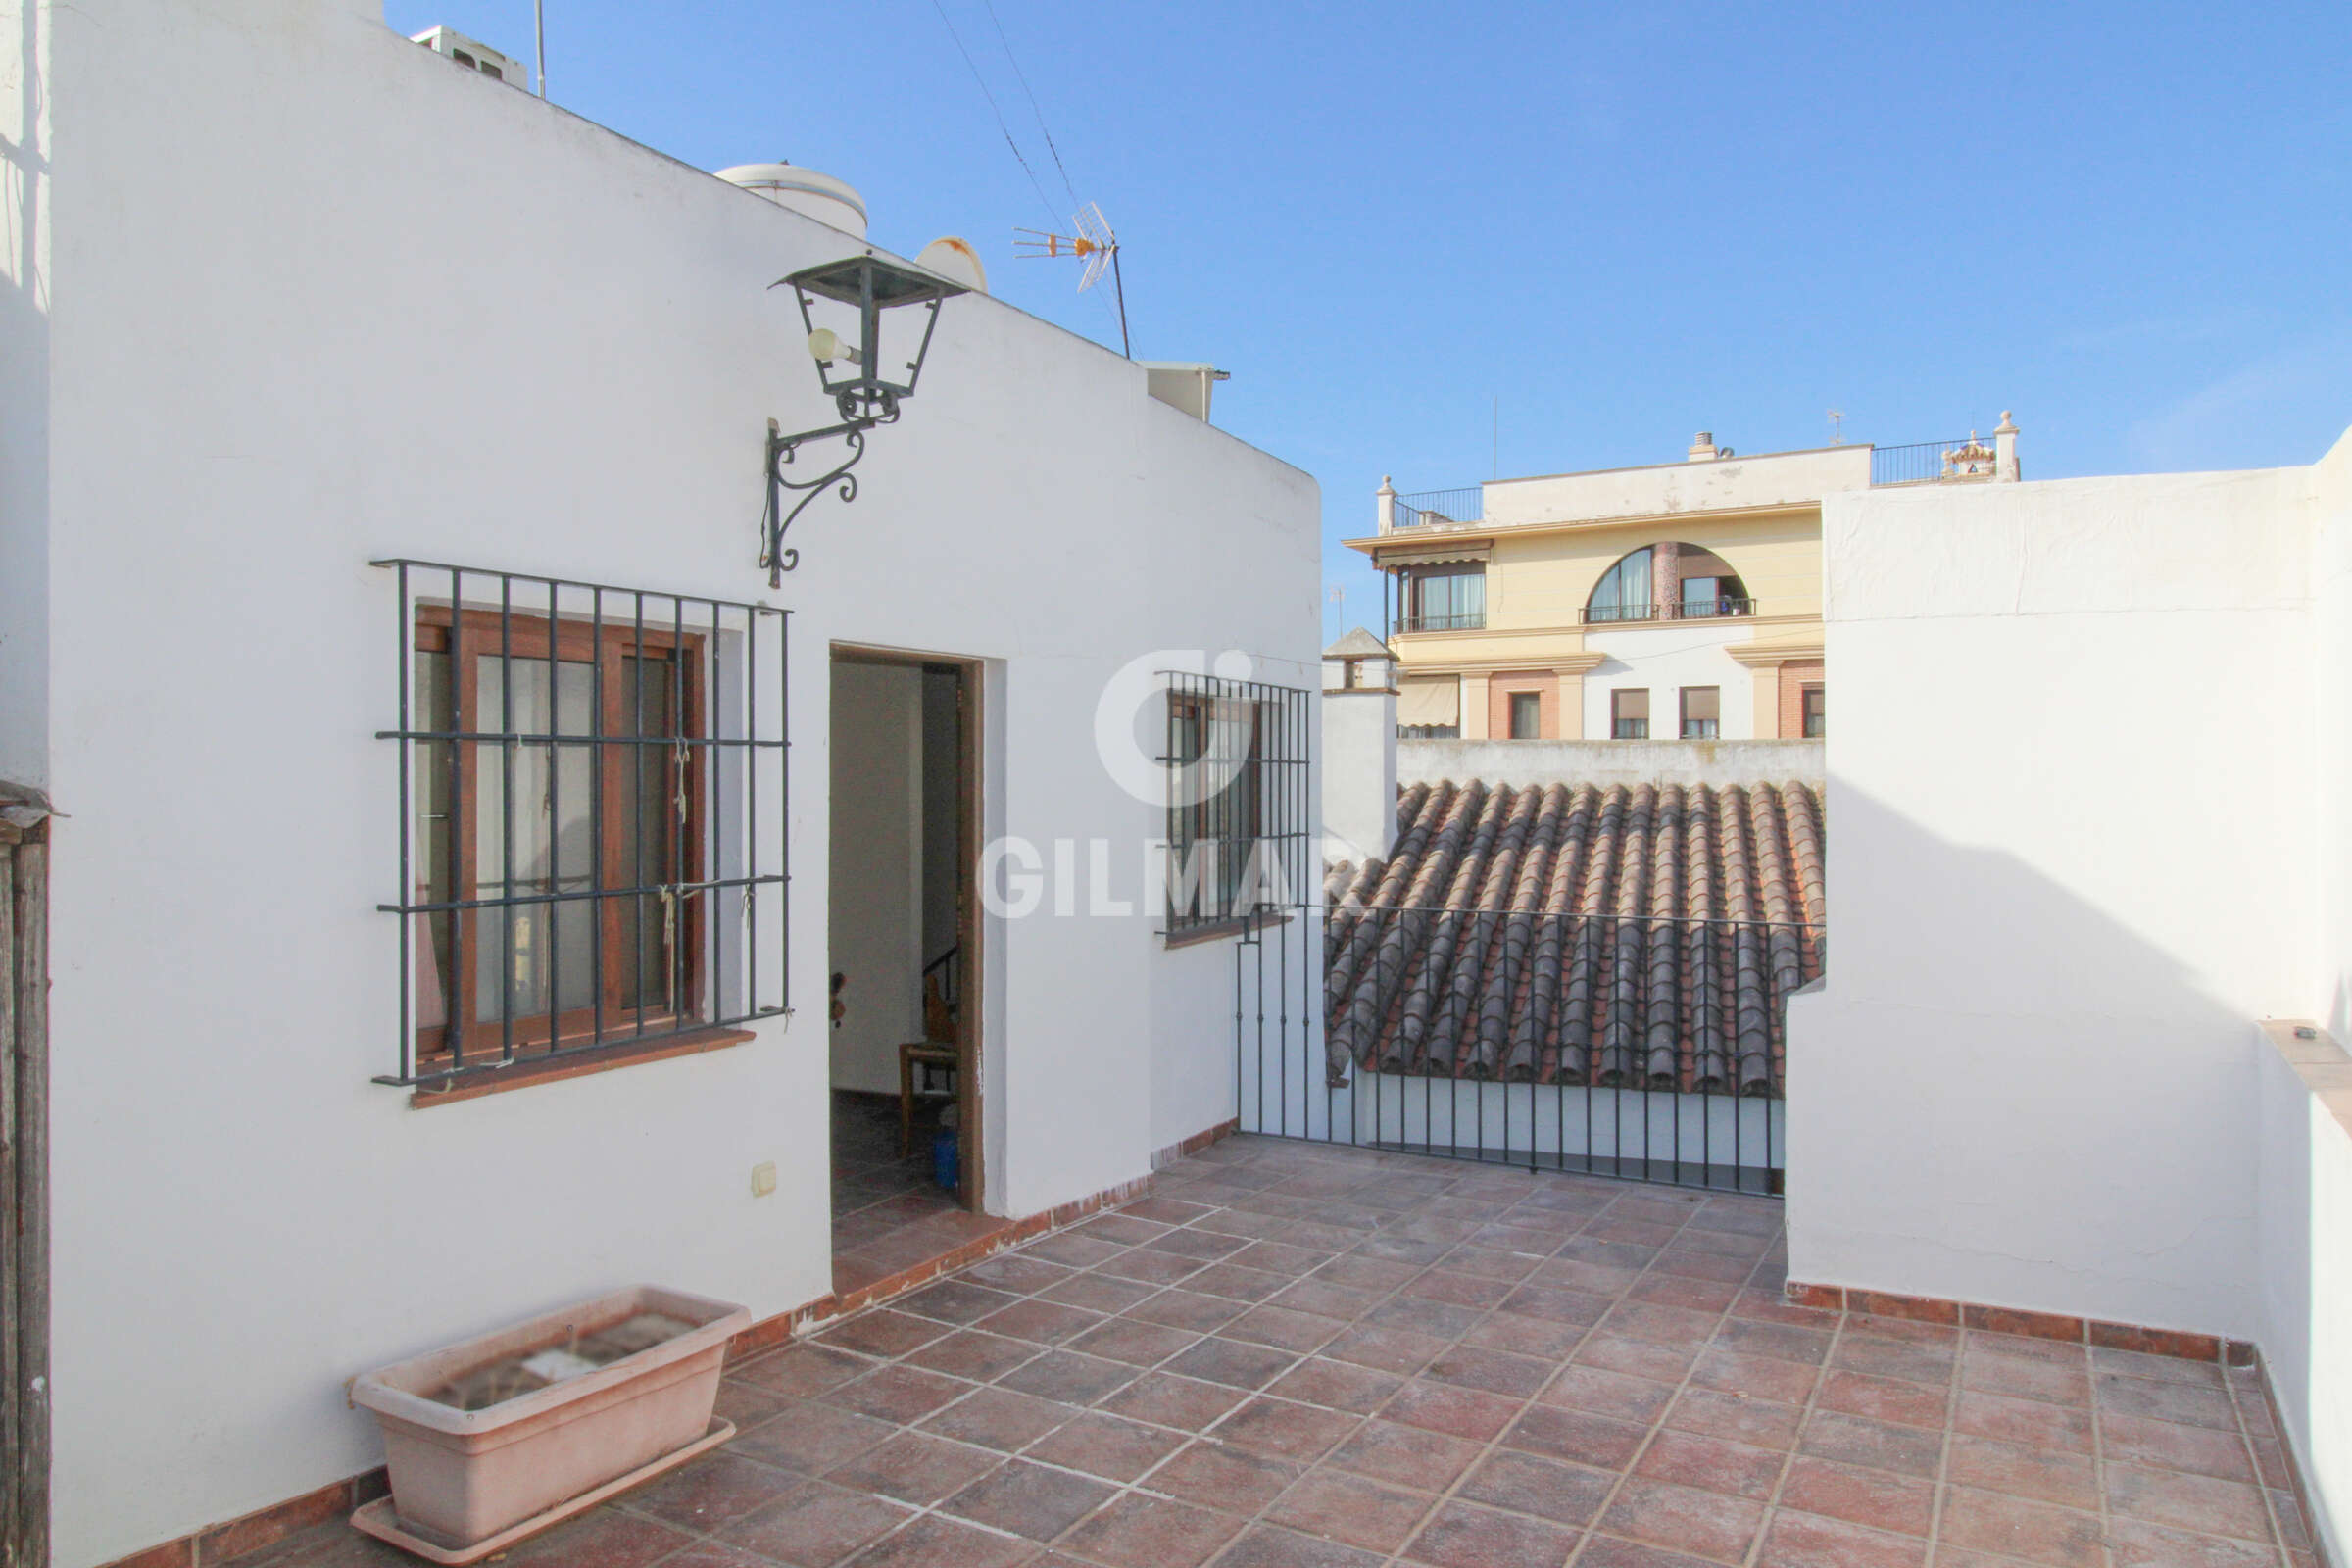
column 301, row 294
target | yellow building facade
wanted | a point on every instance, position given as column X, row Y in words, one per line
column 1674, row 601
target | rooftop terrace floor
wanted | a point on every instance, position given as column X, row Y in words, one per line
column 1339, row 1358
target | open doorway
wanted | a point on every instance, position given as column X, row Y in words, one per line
column 909, row 1178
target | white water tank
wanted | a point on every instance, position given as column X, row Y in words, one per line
column 830, row 200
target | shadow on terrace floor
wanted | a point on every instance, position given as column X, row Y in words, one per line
column 1293, row 1356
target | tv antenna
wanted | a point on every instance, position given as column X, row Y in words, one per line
column 1836, row 427
column 1093, row 243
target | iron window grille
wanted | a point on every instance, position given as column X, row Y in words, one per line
column 593, row 809
column 1239, row 829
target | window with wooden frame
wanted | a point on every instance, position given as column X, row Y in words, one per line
column 1628, row 715
column 1813, row 707
column 1526, row 715
column 582, row 854
column 1702, row 713
column 1238, row 818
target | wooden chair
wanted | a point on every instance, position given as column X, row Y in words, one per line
column 930, row 1054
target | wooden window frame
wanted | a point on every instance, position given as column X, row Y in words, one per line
column 1813, row 712
column 1511, row 710
column 474, row 635
column 1619, row 719
column 1190, row 713
column 1716, row 692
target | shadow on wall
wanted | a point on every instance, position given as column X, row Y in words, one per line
column 25, row 424
column 2004, row 1094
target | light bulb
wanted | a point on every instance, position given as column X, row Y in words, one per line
column 826, row 346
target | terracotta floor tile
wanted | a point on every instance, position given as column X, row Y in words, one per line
column 1804, row 1541
column 1987, row 1521
column 748, row 1407
column 1760, row 1377
column 882, row 1332
column 1385, row 1350
column 712, row 1490
column 1913, row 1404
column 1326, row 1298
column 815, row 1527
column 1068, row 1377
column 2032, row 1423
column 1660, row 1364
column 1780, row 1341
column 1878, row 1499
column 896, row 1394
column 1133, row 1341
column 1566, row 1494
column 716, row 1555
column 811, row 1438
column 603, row 1538
column 1135, row 1531
column 1461, row 1535
column 2022, row 1378
column 1336, row 1385
column 1099, row 1292
column 1707, row 1524
column 1759, row 1423
column 1366, row 1273
column 1272, row 1546
column 1187, row 1309
column 1613, row 1552
column 1711, row 1464
column 1515, row 1377
column 932, row 1541
column 2169, row 1446
column 1878, row 1445
column 1609, row 1393
column 1693, row 1295
column 2159, row 1368
column 1235, row 1283
column 1030, row 1499
column 2187, row 1403
column 1895, row 1359
column 1336, row 1505
column 1287, row 1431
column 1203, row 1246
column 2137, row 1545
column 1163, row 1399
column 1217, row 1359
column 1070, row 1251
column 1149, row 1268
column 1231, row 1480
column 915, row 1468
column 1553, row 1305
column 1044, row 1322
column 1281, row 1258
column 1471, row 1413
column 1576, row 1435
column 2069, row 1479
column 1283, row 1328
column 981, row 1358
column 999, row 1419
column 801, row 1371
column 2198, row 1503
column 954, row 1300
column 1403, row 1455
column 1106, row 1445
column 1527, row 1336
column 1413, row 1314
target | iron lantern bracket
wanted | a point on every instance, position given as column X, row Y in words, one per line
column 782, row 450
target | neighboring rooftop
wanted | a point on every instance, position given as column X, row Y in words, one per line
column 1637, row 936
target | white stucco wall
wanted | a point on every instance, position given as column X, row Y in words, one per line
column 2071, row 780
column 318, row 297
column 1664, row 658
column 1359, row 774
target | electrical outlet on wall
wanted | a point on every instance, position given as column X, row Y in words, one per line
column 764, row 1178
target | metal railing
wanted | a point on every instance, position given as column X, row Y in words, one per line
column 583, row 774
column 1915, row 463
column 1429, row 732
column 1625, row 1044
column 1682, row 609
column 1460, row 621
column 1424, row 508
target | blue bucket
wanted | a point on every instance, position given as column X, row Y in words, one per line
column 946, row 1164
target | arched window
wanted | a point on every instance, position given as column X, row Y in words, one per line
column 1668, row 582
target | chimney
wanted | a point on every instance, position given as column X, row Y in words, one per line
column 1359, row 748
column 1702, row 447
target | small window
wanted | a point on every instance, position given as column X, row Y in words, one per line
column 463, row 57
column 1527, row 716
column 1815, row 706
column 1236, row 774
column 1629, row 715
column 492, row 71
column 1450, row 599
column 1702, row 713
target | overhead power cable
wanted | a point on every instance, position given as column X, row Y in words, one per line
column 974, row 67
column 1035, row 107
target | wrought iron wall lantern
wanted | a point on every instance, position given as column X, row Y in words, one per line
column 849, row 369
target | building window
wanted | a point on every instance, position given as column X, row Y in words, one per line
column 1629, row 715
column 1702, row 713
column 1624, row 591
column 581, row 860
column 1669, row 581
column 1526, row 715
column 1237, row 772
column 1814, row 705
column 1443, row 598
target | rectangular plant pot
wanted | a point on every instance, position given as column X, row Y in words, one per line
column 461, row 1476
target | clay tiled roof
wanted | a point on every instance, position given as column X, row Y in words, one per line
column 1642, row 937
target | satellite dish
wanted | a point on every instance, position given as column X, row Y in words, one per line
column 955, row 261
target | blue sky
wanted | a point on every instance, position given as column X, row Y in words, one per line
column 2130, row 223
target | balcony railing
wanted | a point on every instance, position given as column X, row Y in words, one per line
column 1926, row 461
column 1686, row 610
column 1464, row 621
column 1425, row 507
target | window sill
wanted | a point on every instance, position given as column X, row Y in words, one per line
column 1215, row 931
column 606, row 1058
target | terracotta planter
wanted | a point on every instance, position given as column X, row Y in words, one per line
column 469, row 1481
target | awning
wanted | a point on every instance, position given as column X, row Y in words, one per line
column 1431, row 555
column 1430, row 699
